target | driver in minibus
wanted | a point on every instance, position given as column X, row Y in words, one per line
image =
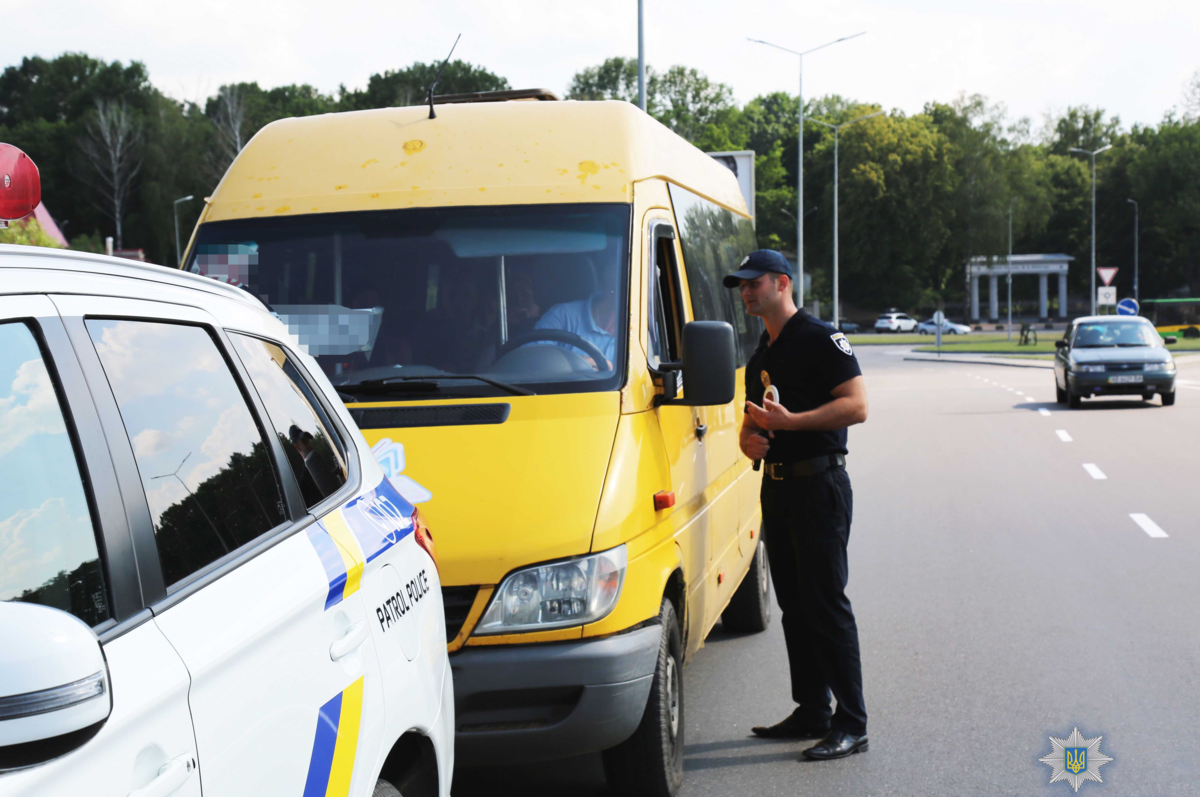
column 594, row 319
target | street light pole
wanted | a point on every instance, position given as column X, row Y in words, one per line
column 835, row 129
column 1093, row 156
column 1136, row 244
column 178, row 249
column 641, row 60
column 800, row 214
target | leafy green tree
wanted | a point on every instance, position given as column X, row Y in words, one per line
column 615, row 79
column 410, row 86
column 27, row 233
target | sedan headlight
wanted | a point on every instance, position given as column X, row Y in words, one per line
column 1089, row 369
column 1160, row 367
column 556, row 595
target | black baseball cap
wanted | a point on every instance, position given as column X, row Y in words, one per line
column 757, row 263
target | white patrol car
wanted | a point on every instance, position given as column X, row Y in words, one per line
column 206, row 582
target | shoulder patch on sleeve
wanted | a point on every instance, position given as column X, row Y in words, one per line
column 842, row 343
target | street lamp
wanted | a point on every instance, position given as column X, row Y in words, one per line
column 1093, row 156
column 1136, row 243
column 641, row 59
column 835, row 129
column 800, row 155
column 178, row 250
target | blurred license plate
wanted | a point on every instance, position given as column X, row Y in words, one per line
column 1125, row 379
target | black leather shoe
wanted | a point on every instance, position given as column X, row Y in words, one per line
column 838, row 744
column 794, row 727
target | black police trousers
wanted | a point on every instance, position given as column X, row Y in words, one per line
column 806, row 525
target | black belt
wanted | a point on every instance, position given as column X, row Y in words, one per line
column 805, row 467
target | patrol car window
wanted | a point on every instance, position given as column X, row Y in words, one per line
column 204, row 463
column 313, row 448
column 410, row 304
column 714, row 241
column 48, row 551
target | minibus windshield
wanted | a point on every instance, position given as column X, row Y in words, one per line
column 441, row 302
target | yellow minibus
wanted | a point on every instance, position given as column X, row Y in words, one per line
column 520, row 303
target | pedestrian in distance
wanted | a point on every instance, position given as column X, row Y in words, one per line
column 803, row 389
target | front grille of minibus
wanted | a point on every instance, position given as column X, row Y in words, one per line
column 444, row 415
column 457, row 602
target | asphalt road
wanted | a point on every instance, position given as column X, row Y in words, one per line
column 1004, row 593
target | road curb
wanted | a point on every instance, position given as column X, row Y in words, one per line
column 976, row 362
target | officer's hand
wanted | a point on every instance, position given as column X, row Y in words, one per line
column 771, row 415
column 755, row 446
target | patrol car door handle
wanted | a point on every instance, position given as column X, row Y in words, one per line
column 170, row 778
column 353, row 639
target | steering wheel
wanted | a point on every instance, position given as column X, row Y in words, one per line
column 557, row 336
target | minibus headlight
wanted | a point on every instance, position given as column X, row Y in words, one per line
column 556, row 595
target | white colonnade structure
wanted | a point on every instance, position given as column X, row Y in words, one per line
column 1021, row 265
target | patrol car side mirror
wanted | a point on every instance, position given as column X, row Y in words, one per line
column 54, row 693
column 709, row 364
column 1170, row 340
column 1060, row 344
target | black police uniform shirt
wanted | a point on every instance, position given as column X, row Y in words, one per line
column 807, row 361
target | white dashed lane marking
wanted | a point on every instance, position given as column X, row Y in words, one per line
column 1147, row 525
column 1095, row 472
column 1062, row 435
column 1043, row 411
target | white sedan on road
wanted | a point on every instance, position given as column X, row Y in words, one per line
column 948, row 328
column 895, row 322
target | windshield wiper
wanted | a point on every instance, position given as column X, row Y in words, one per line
column 430, row 383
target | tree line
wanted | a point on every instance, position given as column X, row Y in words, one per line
column 919, row 193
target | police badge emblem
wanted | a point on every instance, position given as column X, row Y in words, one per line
column 842, row 343
column 769, row 389
column 1075, row 759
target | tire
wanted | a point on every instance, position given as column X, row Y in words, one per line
column 1060, row 395
column 650, row 763
column 385, row 789
column 1168, row 399
column 749, row 610
column 1073, row 399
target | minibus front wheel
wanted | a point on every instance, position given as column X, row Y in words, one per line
column 650, row 762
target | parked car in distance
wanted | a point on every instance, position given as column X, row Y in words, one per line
column 948, row 328
column 1113, row 356
column 849, row 327
column 895, row 322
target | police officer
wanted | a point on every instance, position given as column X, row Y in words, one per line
column 803, row 388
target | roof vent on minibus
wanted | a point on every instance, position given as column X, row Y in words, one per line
column 497, row 96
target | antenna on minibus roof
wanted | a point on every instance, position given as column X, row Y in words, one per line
column 438, row 77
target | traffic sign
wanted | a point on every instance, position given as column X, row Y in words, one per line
column 1127, row 306
column 1107, row 274
column 938, row 317
column 1106, row 296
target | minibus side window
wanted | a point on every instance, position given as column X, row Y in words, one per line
column 714, row 240
column 664, row 300
column 48, row 551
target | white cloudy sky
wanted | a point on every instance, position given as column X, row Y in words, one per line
column 1131, row 58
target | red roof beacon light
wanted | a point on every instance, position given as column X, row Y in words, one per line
column 20, row 185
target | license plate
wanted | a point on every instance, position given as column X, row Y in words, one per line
column 1125, row 379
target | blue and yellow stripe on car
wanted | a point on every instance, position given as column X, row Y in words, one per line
column 340, row 555
column 335, row 744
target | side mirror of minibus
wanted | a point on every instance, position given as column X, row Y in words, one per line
column 709, row 365
column 55, row 694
